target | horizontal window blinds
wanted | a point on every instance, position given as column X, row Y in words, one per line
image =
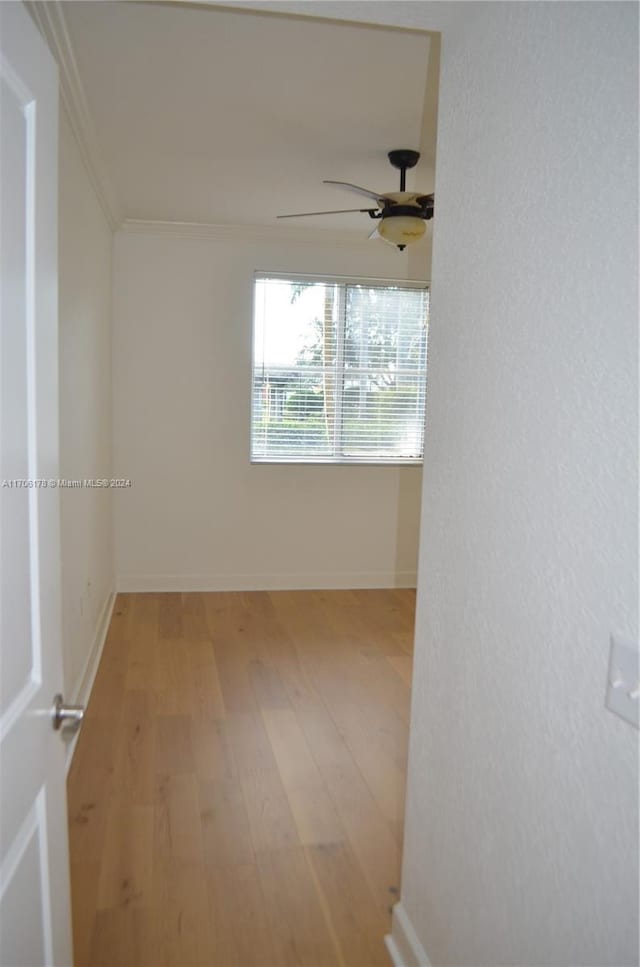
column 339, row 371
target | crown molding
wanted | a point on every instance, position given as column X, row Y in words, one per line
column 50, row 20
column 246, row 233
column 222, row 232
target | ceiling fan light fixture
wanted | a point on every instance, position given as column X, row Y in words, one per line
column 402, row 229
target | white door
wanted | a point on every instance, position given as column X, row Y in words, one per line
column 34, row 865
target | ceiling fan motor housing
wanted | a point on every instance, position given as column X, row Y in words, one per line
column 414, row 211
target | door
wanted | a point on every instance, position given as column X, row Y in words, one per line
column 34, row 867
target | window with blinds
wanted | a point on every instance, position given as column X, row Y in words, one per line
column 339, row 370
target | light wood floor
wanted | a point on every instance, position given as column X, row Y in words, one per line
column 236, row 795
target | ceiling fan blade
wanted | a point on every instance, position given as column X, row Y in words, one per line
column 358, row 188
column 336, row 211
column 426, row 201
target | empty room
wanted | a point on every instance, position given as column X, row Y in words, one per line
column 319, row 484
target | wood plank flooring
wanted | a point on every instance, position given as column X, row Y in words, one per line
column 237, row 792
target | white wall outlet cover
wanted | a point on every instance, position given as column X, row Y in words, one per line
column 623, row 686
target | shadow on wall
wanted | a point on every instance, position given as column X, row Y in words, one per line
column 408, row 523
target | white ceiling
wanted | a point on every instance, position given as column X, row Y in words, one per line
column 204, row 114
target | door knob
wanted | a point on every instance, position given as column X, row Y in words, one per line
column 67, row 717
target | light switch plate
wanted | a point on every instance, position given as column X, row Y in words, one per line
column 623, row 687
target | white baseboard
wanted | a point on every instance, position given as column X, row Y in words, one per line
column 300, row 581
column 402, row 943
column 87, row 678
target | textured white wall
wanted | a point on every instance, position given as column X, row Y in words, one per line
column 522, row 841
column 198, row 514
column 85, row 409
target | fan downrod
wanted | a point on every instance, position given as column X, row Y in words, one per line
column 403, row 158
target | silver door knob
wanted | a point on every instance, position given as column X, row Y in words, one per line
column 67, row 717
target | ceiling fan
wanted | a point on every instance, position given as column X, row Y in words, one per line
column 401, row 215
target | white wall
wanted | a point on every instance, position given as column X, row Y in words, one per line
column 521, row 841
column 85, row 413
column 199, row 515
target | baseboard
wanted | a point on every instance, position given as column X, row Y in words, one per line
column 299, row 581
column 402, row 943
column 87, row 678
column 392, row 950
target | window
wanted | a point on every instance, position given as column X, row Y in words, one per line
column 339, row 370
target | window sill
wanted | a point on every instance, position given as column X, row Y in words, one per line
column 288, row 462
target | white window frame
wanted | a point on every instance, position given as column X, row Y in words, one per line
column 333, row 460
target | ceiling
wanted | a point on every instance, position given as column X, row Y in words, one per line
column 205, row 114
